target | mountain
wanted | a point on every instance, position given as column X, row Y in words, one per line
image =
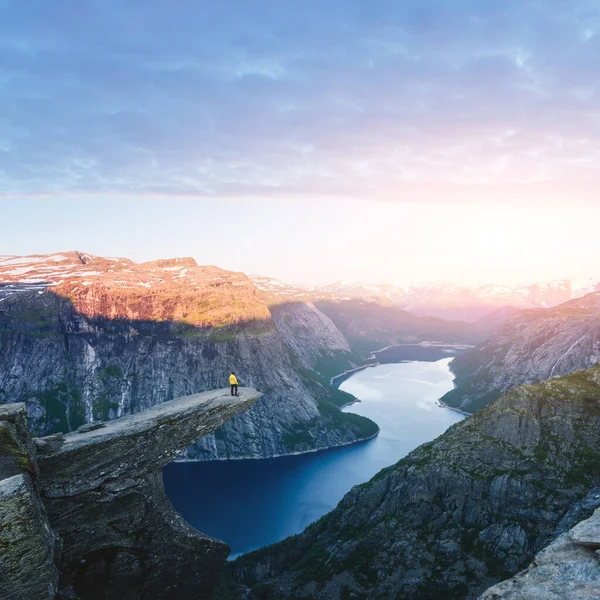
column 85, row 338
column 444, row 300
column 456, row 515
column 458, row 302
column 369, row 325
column 533, row 346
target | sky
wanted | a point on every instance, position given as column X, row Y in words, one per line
column 311, row 141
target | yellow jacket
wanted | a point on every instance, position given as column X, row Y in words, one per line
column 232, row 379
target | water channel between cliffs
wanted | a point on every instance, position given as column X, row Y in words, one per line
column 253, row 503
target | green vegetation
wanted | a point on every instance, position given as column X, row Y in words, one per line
column 332, row 365
column 111, row 371
column 101, row 407
column 329, row 400
column 39, row 317
column 63, row 410
column 299, row 437
column 9, row 450
column 228, row 332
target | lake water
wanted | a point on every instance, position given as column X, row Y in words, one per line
column 253, row 503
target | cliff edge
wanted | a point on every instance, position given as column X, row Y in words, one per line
column 90, row 506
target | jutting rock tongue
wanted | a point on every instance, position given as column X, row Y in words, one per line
column 102, row 489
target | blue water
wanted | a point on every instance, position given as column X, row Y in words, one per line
column 253, row 503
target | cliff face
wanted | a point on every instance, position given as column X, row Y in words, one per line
column 84, row 515
column 86, row 339
column 534, row 346
column 102, row 488
column 110, row 338
column 27, row 543
column 457, row 514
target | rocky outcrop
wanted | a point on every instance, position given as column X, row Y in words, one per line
column 104, row 495
column 27, row 544
column 534, row 346
column 567, row 568
column 101, row 488
column 456, row 515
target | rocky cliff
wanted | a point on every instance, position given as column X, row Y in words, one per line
column 568, row 568
column 457, row 514
column 28, row 545
column 93, row 522
column 533, row 346
column 86, row 339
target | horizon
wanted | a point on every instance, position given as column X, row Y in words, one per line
column 310, row 143
column 574, row 283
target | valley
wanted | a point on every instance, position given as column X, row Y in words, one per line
column 287, row 494
column 457, row 514
column 86, row 339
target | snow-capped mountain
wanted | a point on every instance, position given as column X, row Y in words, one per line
column 451, row 301
column 444, row 300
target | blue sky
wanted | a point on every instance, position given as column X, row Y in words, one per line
column 283, row 116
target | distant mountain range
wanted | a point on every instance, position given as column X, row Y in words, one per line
column 444, row 300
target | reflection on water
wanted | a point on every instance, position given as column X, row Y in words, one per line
column 252, row 503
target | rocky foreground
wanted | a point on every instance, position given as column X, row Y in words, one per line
column 85, row 515
column 456, row 515
column 568, row 568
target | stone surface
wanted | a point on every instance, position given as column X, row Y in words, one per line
column 580, row 511
column 587, row 533
column 567, row 568
column 456, row 515
column 104, row 495
column 27, row 544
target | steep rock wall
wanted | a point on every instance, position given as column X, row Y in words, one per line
column 27, row 543
column 534, row 346
column 70, row 369
column 568, row 568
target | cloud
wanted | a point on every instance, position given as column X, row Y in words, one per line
column 400, row 101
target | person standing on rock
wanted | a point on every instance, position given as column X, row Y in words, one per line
column 233, row 382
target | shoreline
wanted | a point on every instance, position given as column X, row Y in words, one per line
column 458, row 410
column 312, row 451
column 336, row 381
column 444, row 405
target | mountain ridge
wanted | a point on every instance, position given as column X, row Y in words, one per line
column 534, row 345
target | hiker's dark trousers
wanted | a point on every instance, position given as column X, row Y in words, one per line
column 234, row 389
